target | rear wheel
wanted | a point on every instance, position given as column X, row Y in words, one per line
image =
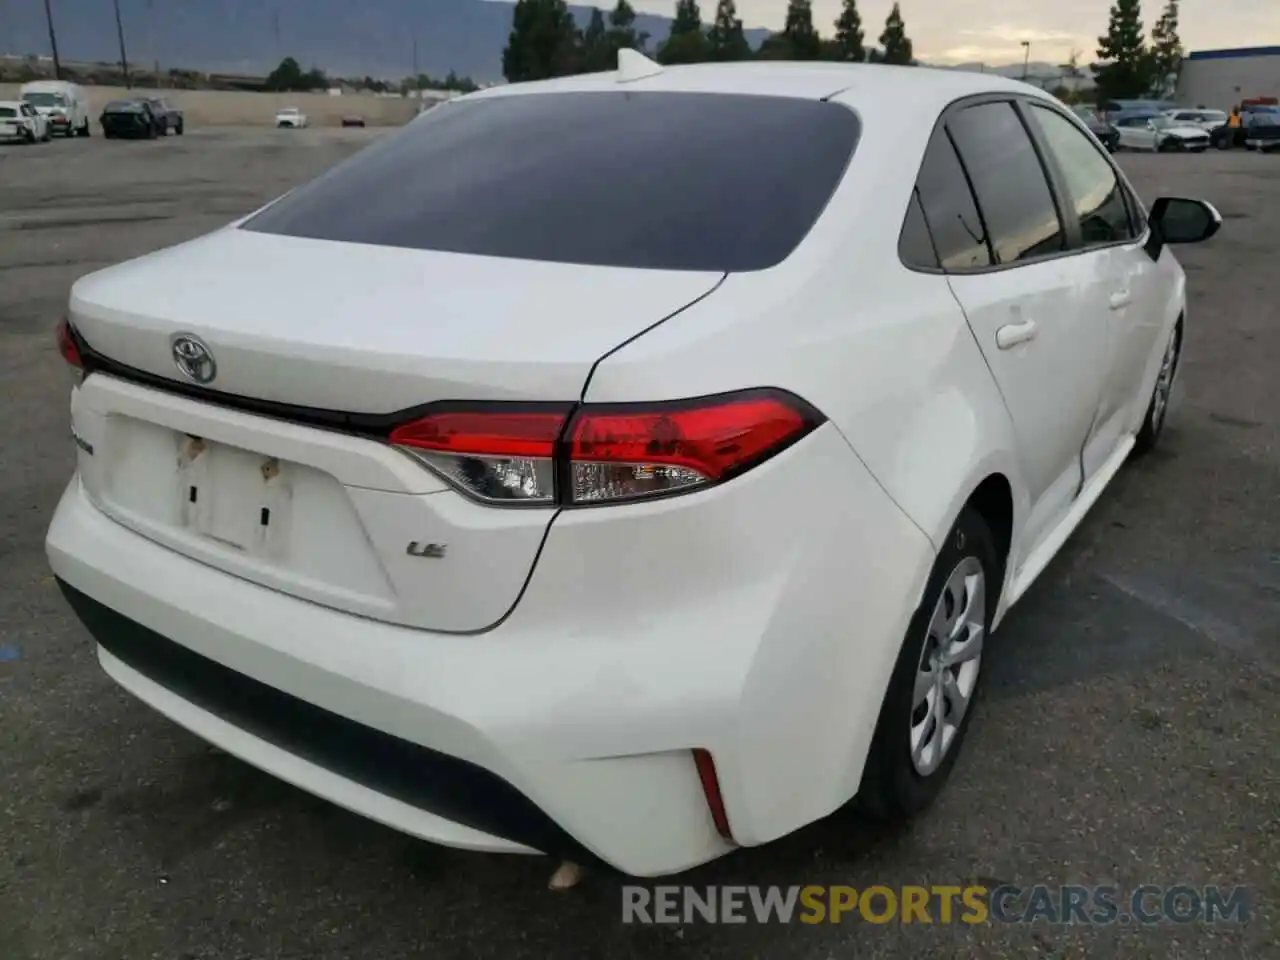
column 1158, row 407
column 85, row 129
column 178, row 129
column 934, row 687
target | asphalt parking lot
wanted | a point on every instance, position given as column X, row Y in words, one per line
column 1130, row 733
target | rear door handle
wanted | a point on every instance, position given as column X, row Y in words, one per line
column 1012, row 334
column 1121, row 300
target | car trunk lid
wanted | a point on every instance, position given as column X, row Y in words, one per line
column 336, row 516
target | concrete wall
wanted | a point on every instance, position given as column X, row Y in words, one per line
column 207, row 108
column 1221, row 82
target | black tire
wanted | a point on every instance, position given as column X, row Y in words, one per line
column 86, row 130
column 283, row 126
column 178, row 129
column 892, row 789
column 1158, row 413
column 151, row 132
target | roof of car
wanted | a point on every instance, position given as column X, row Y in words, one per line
column 909, row 87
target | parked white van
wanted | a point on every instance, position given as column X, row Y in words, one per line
column 65, row 105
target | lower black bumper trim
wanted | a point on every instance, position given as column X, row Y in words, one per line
column 447, row 786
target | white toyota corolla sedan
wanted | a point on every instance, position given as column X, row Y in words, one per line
column 628, row 467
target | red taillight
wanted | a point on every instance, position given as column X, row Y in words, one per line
column 605, row 453
column 711, row 790
column 629, row 451
column 498, row 455
column 67, row 344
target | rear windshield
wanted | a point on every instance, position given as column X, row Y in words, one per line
column 673, row 181
column 121, row 106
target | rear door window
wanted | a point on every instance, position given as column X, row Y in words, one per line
column 915, row 247
column 948, row 208
column 1013, row 192
column 673, row 181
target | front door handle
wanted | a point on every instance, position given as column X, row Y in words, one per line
column 1121, row 300
column 1012, row 334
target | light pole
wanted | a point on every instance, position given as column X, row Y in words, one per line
column 124, row 57
column 1026, row 59
column 53, row 41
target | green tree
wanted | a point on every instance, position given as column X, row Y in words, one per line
column 687, row 42
column 776, row 46
column 803, row 39
column 726, row 37
column 896, row 43
column 849, row 35
column 688, row 18
column 1124, row 70
column 597, row 55
column 543, row 42
column 622, row 29
column 287, row 76
column 1166, row 50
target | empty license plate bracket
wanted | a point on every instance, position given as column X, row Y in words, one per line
column 238, row 498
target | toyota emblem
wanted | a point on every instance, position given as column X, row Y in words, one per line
column 194, row 359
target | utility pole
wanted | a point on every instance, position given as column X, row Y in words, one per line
column 53, row 40
column 1026, row 59
column 151, row 43
column 124, row 57
column 417, row 77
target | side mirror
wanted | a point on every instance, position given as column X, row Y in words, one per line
column 1180, row 220
column 1151, row 124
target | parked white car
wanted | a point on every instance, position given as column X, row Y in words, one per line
column 627, row 525
column 1158, row 132
column 65, row 105
column 20, row 121
column 1207, row 120
column 291, row 117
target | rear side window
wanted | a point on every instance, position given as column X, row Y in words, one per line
column 673, row 181
column 8, row 112
column 915, row 248
column 1097, row 200
column 1012, row 190
column 947, row 204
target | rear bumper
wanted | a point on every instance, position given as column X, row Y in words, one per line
column 350, row 763
column 759, row 621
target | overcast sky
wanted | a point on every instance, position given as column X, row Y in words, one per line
column 991, row 31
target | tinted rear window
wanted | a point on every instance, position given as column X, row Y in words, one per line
column 121, row 106
column 674, row 181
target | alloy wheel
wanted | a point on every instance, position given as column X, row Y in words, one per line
column 949, row 663
column 1164, row 382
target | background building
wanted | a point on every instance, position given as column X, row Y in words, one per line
column 1219, row 79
